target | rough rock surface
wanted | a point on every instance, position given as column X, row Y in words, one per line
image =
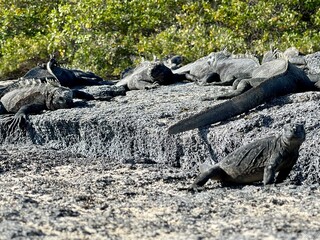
column 109, row 169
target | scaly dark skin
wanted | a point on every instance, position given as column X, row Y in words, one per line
column 269, row 160
column 271, row 69
column 199, row 68
column 229, row 68
column 31, row 96
column 292, row 80
column 221, row 68
column 309, row 64
column 67, row 77
column 151, row 75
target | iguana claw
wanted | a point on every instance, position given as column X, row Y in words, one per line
column 19, row 120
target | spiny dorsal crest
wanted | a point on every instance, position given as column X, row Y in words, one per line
column 28, row 82
column 215, row 57
column 35, row 82
column 54, row 82
column 281, row 55
column 275, row 52
column 245, row 56
column 224, row 53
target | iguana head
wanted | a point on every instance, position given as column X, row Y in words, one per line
column 294, row 134
column 59, row 97
column 218, row 56
column 159, row 72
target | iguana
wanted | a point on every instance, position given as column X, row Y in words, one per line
column 31, row 96
column 292, row 54
column 152, row 74
column 199, row 68
column 290, row 80
column 269, row 55
column 67, row 77
column 173, row 62
column 295, row 57
column 230, row 67
column 221, row 68
column 267, row 70
column 259, row 160
column 309, row 63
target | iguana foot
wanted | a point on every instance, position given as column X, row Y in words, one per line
column 215, row 98
column 220, row 97
column 152, row 86
column 201, row 83
column 195, row 188
column 19, row 120
column 209, row 98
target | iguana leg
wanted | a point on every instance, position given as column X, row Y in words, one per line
column 214, row 172
column 152, row 86
column 242, row 77
column 270, row 170
column 243, row 86
column 179, row 77
column 141, row 84
column 236, row 83
column 284, row 173
column 209, row 78
column 20, row 119
column 228, row 82
column 82, row 95
column 317, row 84
column 2, row 109
column 190, row 77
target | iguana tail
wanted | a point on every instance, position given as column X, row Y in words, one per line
column 235, row 106
column 217, row 113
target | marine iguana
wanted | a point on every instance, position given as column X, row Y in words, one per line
column 295, row 57
column 291, row 80
column 258, row 161
column 200, row 68
column 292, row 54
column 31, row 96
column 230, row 67
column 173, row 62
column 267, row 70
column 67, row 77
column 152, row 74
column 310, row 64
column 269, row 55
column 221, row 68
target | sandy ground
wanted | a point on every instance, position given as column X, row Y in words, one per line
column 55, row 195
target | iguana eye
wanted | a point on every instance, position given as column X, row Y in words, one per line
column 61, row 99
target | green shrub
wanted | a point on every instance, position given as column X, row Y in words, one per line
column 106, row 36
